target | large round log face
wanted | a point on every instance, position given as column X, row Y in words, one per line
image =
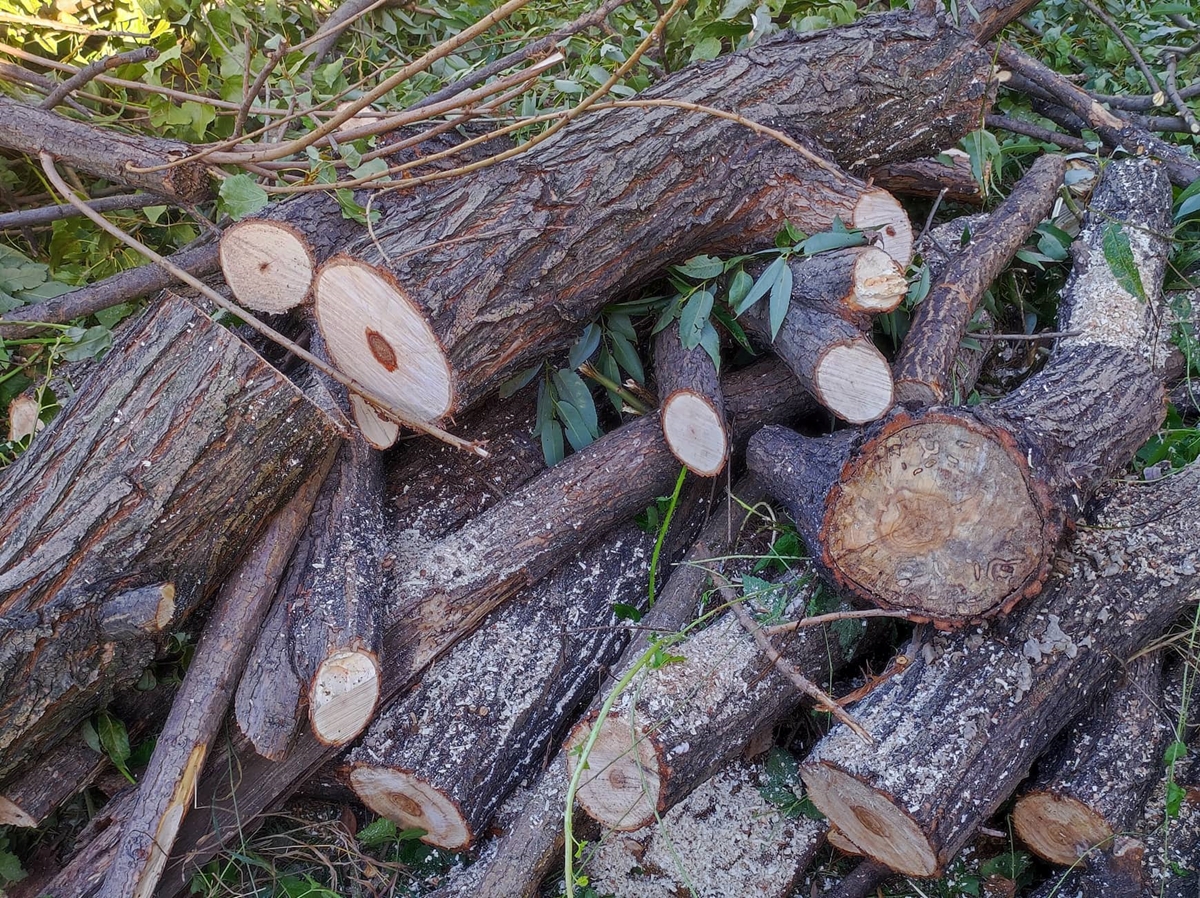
column 938, row 514
column 1059, row 828
column 267, row 265
column 398, row 795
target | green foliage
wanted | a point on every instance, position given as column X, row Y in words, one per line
column 10, row 865
column 783, row 788
column 107, row 734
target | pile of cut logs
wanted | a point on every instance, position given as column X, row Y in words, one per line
column 436, row 628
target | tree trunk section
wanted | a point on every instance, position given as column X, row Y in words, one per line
column 957, row 730
column 1094, row 782
column 692, row 409
column 954, row 515
column 131, row 507
column 948, row 175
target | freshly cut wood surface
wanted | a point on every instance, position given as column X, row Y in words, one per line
column 691, row 407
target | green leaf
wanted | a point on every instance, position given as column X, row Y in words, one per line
column 711, row 341
column 694, row 317
column 10, row 868
column 1187, row 207
column 352, row 209
column 518, row 380
column 781, row 299
column 739, row 286
column 1119, row 255
column 701, row 268
column 919, row 288
column 551, row 436
column 621, row 611
column 830, row 240
column 578, row 434
column 708, row 48
column 241, row 196
column 87, row 344
column 377, row 832
column 1175, row 796
column 1176, row 751
column 1171, row 9
column 571, row 386
column 90, row 736
column 114, row 740
column 626, row 355
column 620, row 323
column 588, row 343
column 764, row 283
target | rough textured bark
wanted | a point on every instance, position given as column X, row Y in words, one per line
column 948, row 175
column 335, row 611
column 691, row 407
column 131, row 507
column 954, row 514
column 924, row 366
column 165, row 789
column 104, row 152
column 676, row 725
column 957, row 730
column 1095, row 781
column 458, row 297
column 724, row 839
column 267, row 703
column 532, row 822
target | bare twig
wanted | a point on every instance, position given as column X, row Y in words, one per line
column 825, row 702
column 386, row 407
column 26, row 218
column 860, row 882
column 1185, row 111
column 831, row 618
column 1142, row 103
column 239, row 124
column 1027, row 129
column 19, row 75
column 9, row 18
column 1026, row 338
column 337, row 22
column 1152, row 82
column 91, row 70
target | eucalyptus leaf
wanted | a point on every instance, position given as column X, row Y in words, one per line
column 828, row 240
column 781, row 299
column 1187, row 207
column 551, row 437
column 619, row 322
column 518, row 380
column 701, row 268
column 764, row 283
column 739, row 286
column 587, row 343
column 1119, row 256
column 574, row 390
column 626, row 355
column 114, row 741
column 711, row 341
column 576, row 428
column 694, row 317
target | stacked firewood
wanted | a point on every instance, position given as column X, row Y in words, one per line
column 437, row 629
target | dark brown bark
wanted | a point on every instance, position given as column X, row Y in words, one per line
column 924, row 366
column 957, row 730
column 947, row 175
column 131, row 507
column 165, row 789
column 335, row 609
column 954, row 514
column 471, row 572
column 1094, row 782
column 691, row 407
column 687, row 719
column 267, row 704
column 724, row 839
column 104, row 152
column 458, row 298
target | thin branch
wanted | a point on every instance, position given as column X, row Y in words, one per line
column 1185, row 111
column 825, row 702
column 1025, row 338
column 403, row 417
column 239, row 124
column 1152, row 82
column 338, row 21
column 25, row 218
column 68, row 27
column 833, row 617
column 16, row 74
column 90, row 71
column 1142, row 103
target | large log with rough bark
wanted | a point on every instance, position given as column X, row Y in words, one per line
column 955, row 514
column 131, row 508
column 449, row 297
column 956, row 731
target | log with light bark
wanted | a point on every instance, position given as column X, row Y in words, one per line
column 939, row 323
column 514, row 864
column 825, row 336
column 724, row 839
column 165, row 789
column 466, row 575
column 131, row 507
column 954, row 514
column 1094, row 782
column 956, row 731
column 948, row 175
column 673, row 726
column 104, row 152
column 335, row 611
column 484, row 717
column 690, row 404
column 450, row 298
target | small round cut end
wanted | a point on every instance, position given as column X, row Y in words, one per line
column 854, row 381
column 620, row 788
column 412, row 803
column 267, row 265
column 343, row 696
column 695, row 433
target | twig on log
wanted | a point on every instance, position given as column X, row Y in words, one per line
column 1185, row 111
column 92, row 69
column 926, row 359
column 166, row 788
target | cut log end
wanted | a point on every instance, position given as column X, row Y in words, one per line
column 12, row 814
column 915, row 497
column 866, row 818
column 879, row 211
column 267, row 265
column 376, row 429
column 879, row 283
column 413, row 804
column 621, row 785
column 1060, row 829
column 375, row 335
column 343, row 696
column 696, row 433
column 854, row 381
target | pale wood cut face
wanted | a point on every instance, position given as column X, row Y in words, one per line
column 1059, row 829
column 939, row 519
column 378, row 337
column 267, row 266
column 878, row 210
column 879, row 282
column 376, row 430
column 343, row 696
column 621, row 785
column 412, row 803
column 854, row 381
column 695, row 433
